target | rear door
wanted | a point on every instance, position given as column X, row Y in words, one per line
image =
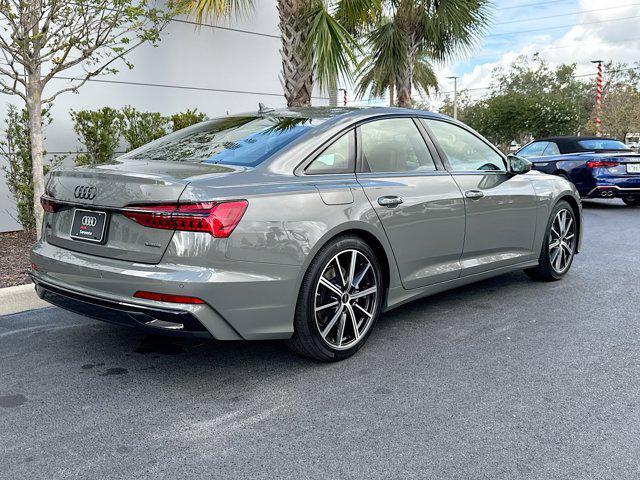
column 420, row 206
column 500, row 208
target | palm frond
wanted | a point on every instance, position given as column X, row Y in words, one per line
column 424, row 77
column 357, row 15
column 450, row 28
column 386, row 44
column 213, row 9
column 329, row 46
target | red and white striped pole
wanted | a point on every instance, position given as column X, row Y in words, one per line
column 599, row 83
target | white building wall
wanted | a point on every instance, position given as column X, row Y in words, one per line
column 212, row 69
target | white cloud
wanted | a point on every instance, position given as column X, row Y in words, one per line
column 610, row 33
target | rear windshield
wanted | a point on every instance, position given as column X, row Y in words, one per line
column 602, row 144
column 245, row 141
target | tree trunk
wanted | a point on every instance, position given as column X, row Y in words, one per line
column 34, row 107
column 297, row 70
column 405, row 76
column 392, row 91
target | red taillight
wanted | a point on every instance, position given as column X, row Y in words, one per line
column 48, row 205
column 164, row 297
column 602, row 164
column 218, row 219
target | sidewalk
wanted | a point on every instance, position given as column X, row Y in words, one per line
column 20, row 299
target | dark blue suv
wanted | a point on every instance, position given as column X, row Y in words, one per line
column 598, row 167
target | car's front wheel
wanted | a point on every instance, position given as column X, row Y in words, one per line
column 559, row 246
column 632, row 200
column 339, row 301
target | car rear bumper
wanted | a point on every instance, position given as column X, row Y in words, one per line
column 612, row 191
column 150, row 319
column 242, row 300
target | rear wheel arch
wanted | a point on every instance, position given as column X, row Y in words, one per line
column 561, row 173
column 576, row 212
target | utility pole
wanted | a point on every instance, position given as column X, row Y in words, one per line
column 599, row 83
column 455, row 96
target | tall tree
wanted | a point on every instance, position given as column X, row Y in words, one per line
column 41, row 39
column 433, row 29
column 317, row 46
column 385, row 62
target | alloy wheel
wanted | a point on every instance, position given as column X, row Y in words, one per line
column 346, row 298
column 562, row 241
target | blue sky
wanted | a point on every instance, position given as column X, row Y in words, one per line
column 509, row 16
column 562, row 31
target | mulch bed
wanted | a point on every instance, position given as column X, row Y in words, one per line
column 14, row 257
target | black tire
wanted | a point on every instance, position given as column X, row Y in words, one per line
column 307, row 339
column 546, row 271
column 632, row 200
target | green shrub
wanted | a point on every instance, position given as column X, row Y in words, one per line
column 186, row 119
column 16, row 150
column 99, row 132
column 140, row 128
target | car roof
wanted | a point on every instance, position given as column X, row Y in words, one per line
column 324, row 114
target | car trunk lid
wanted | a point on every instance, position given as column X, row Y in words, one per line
column 83, row 193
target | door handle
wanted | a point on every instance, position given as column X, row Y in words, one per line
column 473, row 194
column 390, row 201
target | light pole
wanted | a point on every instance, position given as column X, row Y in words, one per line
column 455, row 96
column 599, row 81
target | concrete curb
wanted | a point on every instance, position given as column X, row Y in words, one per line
column 20, row 299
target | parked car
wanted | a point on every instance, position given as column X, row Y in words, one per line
column 598, row 167
column 299, row 224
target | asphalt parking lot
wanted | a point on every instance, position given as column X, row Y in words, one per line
column 507, row 378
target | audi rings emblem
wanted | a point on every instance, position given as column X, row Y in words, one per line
column 85, row 192
column 88, row 221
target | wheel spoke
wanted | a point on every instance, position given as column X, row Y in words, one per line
column 554, row 245
column 328, row 305
column 354, row 322
column 362, row 310
column 344, row 282
column 332, row 322
column 352, row 267
column 340, row 333
column 360, row 276
column 569, row 224
column 364, row 293
column 330, row 286
column 558, row 263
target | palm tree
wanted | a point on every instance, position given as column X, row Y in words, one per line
column 317, row 46
column 379, row 69
column 415, row 31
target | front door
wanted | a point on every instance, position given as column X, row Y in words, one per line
column 500, row 207
column 418, row 203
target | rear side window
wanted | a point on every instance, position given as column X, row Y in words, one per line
column 339, row 157
column 465, row 152
column 535, row 149
column 394, row 145
column 602, row 144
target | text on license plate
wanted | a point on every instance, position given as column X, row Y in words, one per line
column 633, row 167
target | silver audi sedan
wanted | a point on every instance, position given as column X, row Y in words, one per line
column 301, row 224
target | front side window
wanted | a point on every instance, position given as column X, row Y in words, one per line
column 336, row 158
column 245, row 141
column 394, row 145
column 535, row 149
column 552, row 149
column 465, row 151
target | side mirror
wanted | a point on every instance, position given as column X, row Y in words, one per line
column 518, row 165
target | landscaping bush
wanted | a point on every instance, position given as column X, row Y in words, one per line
column 140, row 128
column 99, row 132
column 186, row 119
column 16, row 150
